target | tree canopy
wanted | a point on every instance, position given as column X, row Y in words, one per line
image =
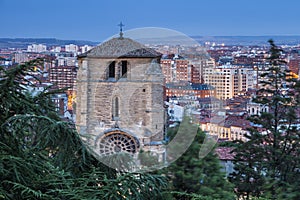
column 267, row 165
column 193, row 177
column 43, row 157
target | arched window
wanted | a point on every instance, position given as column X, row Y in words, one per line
column 111, row 70
column 115, row 108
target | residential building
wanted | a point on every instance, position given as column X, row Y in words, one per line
column 175, row 68
column 71, row 48
column 196, row 90
column 256, row 108
column 85, row 48
column 229, row 80
column 226, row 127
column 38, row 48
column 189, row 68
column 64, row 77
column 21, row 57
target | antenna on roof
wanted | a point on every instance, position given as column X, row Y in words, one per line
column 121, row 29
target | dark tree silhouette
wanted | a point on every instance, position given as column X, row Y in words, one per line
column 268, row 163
column 42, row 157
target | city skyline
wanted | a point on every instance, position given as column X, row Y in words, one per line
column 97, row 21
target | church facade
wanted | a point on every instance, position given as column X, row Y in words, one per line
column 120, row 98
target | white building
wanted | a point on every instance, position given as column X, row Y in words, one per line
column 85, row 48
column 256, row 108
column 56, row 49
column 71, row 48
column 66, row 61
column 38, row 48
column 175, row 112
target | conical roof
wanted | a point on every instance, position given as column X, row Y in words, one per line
column 121, row 47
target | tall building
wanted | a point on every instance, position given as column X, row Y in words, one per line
column 120, row 97
column 21, row 57
column 176, row 68
column 198, row 65
column 64, row 77
column 229, row 80
column 180, row 69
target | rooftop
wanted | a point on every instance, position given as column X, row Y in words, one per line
column 121, row 47
column 225, row 153
column 189, row 86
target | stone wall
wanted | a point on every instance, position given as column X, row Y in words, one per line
column 140, row 97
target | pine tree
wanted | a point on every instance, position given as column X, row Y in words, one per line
column 42, row 157
column 197, row 178
column 271, row 159
column 247, row 176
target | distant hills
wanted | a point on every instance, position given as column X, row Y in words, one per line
column 249, row 40
column 24, row 42
column 227, row 40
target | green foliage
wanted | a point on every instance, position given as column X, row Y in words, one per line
column 190, row 196
column 193, row 177
column 147, row 159
column 42, row 157
column 247, row 178
column 268, row 163
column 229, row 143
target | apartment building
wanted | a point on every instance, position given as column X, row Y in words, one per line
column 229, row 80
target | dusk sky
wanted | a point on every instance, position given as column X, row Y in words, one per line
column 96, row 20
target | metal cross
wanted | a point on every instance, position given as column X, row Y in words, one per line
column 121, row 26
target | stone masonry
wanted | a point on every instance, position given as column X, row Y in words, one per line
column 139, row 106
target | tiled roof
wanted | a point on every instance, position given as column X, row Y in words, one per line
column 209, row 99
column 224, row 153
column 237, row 122
column 217, row 120
column 189, row 86
column 121, row 47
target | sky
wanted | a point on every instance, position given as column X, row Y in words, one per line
column 97, row 20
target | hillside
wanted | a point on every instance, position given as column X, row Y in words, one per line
column 24, row 42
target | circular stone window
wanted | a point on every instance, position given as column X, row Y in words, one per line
column 117, row 141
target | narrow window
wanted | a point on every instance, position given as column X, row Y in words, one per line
column 111, row 70
column 124, row 69
column 115, row 108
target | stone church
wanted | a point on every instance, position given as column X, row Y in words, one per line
column 120, row 98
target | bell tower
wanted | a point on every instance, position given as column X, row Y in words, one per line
column 120, row 97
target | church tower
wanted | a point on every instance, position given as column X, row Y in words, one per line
column 120, row 97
